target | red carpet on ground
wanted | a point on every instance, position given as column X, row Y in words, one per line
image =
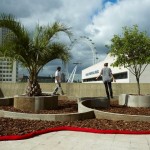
column 39, row 132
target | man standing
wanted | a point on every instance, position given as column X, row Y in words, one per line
column 58, row 81
column 107, row 76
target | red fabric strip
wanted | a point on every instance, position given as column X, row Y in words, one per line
column 68, row 128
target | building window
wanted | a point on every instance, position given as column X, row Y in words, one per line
column 122, row 75
column 92, row 79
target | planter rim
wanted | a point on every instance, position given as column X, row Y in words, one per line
column 136, row 95
column 26, row 96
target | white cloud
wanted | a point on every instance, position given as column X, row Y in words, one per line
column 95, row 19
column 113, row 17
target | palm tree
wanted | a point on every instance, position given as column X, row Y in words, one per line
column 33, row 51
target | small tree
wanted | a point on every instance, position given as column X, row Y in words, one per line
column 132, row 50
column 33, row 51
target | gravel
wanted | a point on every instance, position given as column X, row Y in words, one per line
column 64, row 106
column 9, row 126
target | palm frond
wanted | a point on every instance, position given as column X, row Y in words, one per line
column 54, row 51
column 8, row 21
column 50, row 31
column 33, row 52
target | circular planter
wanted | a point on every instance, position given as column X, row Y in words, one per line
column 134, row 100
column 92, row 102
column 49, row 117
column 35, row 103
column 84, row 107
column 6, row 101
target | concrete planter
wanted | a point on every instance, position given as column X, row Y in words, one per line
column 84, row 111
column 134, row 100
column 84, row 107
column 36, row 103
column 6, row 101
column 29, row 103
column 92, row 102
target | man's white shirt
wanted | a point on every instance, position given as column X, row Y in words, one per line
column 58, row 74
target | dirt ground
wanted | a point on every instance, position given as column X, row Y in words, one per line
column 10, row 126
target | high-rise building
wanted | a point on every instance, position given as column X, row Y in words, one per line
column 8, row 68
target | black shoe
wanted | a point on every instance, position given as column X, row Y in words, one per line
column 108, row 98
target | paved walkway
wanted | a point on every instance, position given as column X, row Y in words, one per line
column 70, row 140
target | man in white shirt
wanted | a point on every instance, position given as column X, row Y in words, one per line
column 58, row 81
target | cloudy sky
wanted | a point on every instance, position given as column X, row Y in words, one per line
column 98, row 20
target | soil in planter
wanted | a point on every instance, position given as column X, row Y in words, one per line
column 116, row 108
column 70, row 106
column 9, row 126
column 64, row 106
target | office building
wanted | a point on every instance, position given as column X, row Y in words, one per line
column 121, row 74
column 8, row 69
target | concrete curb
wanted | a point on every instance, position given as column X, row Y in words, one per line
column 48, row 117
column 84, row 112
column 111, row 116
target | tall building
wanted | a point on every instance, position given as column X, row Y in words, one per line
column 8, row 69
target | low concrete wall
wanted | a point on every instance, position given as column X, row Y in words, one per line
column 76, row 89
column 11, row 89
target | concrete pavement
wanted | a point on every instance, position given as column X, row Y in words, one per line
column 71, row 140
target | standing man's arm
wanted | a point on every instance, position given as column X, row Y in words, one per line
column 112, row 76
column 57, row 79
column 99, row 74
column 113, row 79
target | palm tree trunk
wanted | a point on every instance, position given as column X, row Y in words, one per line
column 33, row 87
